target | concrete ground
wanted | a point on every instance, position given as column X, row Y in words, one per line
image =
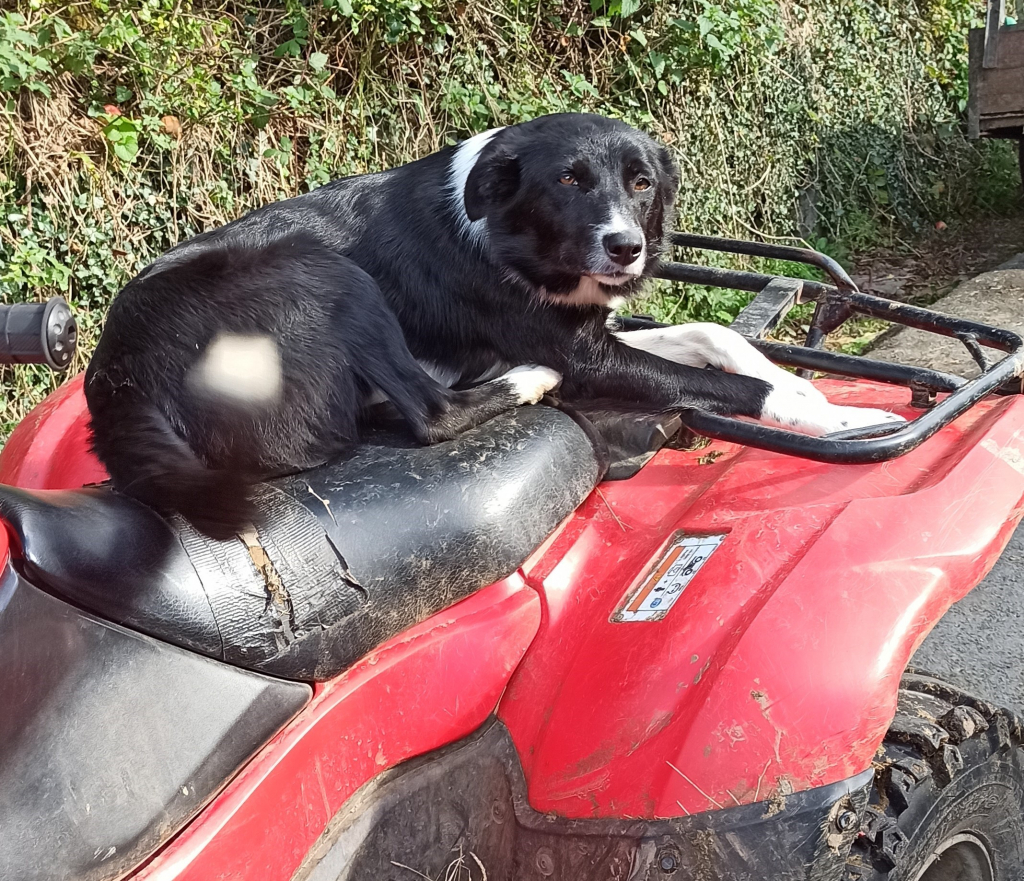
column 987, row 660
column 995, row 298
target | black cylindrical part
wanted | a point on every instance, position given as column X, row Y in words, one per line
column 38, row 333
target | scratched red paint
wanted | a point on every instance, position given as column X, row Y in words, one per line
column 781, row 659
column 50, row 448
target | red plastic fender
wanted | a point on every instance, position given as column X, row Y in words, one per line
column 777, row 668
column 431, row 685
column 50, row 447
column 775, row 671
column 5, row 555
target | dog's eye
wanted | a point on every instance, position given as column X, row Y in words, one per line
column 641, row 184
column 568, row 180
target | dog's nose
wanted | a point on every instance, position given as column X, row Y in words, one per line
column 623, row 247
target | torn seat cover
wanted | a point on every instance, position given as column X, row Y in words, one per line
column 346, row 556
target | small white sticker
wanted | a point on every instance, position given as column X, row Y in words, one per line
column 664, row 584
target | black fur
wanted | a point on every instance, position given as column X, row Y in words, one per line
column 362, row 277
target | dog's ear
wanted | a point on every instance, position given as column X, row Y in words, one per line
column 662, row 212
column 492, row 182
column 669, row 175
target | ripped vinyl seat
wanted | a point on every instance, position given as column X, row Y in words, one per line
column 347, row 555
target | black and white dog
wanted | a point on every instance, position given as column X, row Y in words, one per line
column 251, row 350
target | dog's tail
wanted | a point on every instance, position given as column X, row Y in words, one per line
column 152, row 462
column 148, row 460
column 237, row 378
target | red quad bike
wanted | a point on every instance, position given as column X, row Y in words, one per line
column 562, row 646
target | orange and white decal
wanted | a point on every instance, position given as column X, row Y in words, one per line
column 658, row 591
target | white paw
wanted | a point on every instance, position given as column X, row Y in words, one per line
column 793, row 410
column 530, row 382
column 791, row 383
column 700, row 345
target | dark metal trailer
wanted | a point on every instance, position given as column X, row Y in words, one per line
column 996, row 103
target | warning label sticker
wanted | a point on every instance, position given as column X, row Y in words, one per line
column 659, row 590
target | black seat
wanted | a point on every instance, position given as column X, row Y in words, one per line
column 347, row 555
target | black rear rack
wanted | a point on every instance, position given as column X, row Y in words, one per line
column 835, row 303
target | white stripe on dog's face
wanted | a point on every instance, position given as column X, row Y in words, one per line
column 466, row 155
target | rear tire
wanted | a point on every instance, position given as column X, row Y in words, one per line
column 948, row 798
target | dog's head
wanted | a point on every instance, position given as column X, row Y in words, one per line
column 575, row 205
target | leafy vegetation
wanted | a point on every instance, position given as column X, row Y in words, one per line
column 129, row 125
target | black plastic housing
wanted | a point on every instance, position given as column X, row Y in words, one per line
column 110, row 740
column 466, row 804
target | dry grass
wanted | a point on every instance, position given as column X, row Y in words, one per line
column 459, row 869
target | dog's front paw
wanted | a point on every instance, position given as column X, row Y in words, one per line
column 531, row 382
column 792, row 384
column 792, row 409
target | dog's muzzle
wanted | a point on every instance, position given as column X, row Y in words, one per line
column 623, row 248
column 619, row 257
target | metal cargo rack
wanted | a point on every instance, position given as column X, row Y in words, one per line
column 834, row 304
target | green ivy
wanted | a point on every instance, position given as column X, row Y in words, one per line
column 130, row 126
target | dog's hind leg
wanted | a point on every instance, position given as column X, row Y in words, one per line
column 149, row 460
column 434, row 412
column 463, row 409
